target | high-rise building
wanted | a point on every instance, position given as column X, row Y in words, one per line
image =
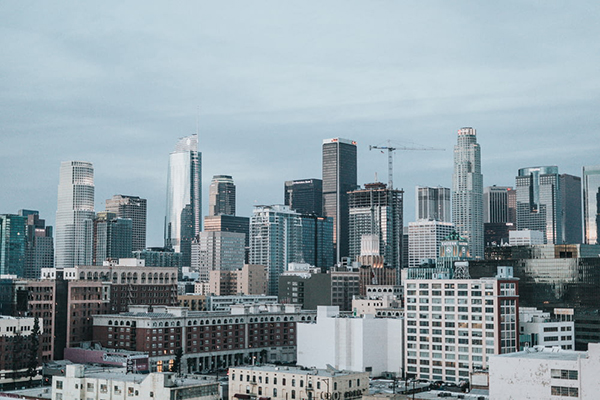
column 376, row 210
column 230, row 223
column 467, row 191
column 217, row 251
column 425, row 238
column 184, row 201
column 339, row 177
column 538, row 202
column 13, row 244
column 304, row 196
column 134, row 208
column 221, row 196
column 40, row 245
column 570, row 208
column 591, row 204
column 499, row 204
column 112, row 237
column 75, row 214
column 433, row 203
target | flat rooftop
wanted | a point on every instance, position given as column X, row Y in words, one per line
column 295, row 370
column 547, row 354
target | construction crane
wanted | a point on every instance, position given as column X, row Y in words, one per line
column 391, row 150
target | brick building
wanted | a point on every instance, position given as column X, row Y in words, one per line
column 208, row 340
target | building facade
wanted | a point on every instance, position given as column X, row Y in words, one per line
column 184, row 197
column 221, row 196
column 425, row 238
column 352, row 343
column 591, row 204
column 217, row 251
column 433, row 203
column 467, row 191
column 538, row 202
column 75, row 214
column 13, row 244
column 304, row 196
column 112, row 237
column 454, row 325
column 40, row 245
column 570, row 209
column 134, row 208
column 376, row 210
column 499, row 204
column 339, row 177
column 289, row 383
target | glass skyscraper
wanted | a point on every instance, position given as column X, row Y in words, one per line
column 538, row 202
column 132, row 207
column 467, row 191
column 221, row 196
column 339, row 177
column 304, row 196
column 184, row 191
column 75, row 214
column 591, row 203
column 13, row 244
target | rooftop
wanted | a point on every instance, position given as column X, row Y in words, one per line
column 296, row 370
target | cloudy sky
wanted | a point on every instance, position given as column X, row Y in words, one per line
column 117, row 83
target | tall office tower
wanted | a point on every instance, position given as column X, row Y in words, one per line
column 275, row 240
column 304, row 196
column 221, row 196
column 425, row 238
column 230, row 223
column 433, row 203
column 377, row 210
column 217, row 251
column 40, row 245
column 339, row 177
column 134, row 208
column 538, row 202
column 75, row 214
column 13, row 244
column 499, row 204
column 112, row 237
column 317, row 240
column 591, row 204
column 570, row 208
column 467, row 191
column 184, row 201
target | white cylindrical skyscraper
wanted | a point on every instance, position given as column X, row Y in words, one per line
column 75, row 214
column 467, row 191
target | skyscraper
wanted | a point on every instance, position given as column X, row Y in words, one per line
column 13, row 244
column 433, row 203
column 184, row 202
column 425, row 238
column 467, row 191
column 218, row 251
column 75, row 214
column 499, row 204
column 112, row 237
column 538, row 202
column 304, row 196
column 134, row 208
column 570, row 208
column 221, row 196
column 591, row 204
column 339, row 177
column 40, row 245
column 377, row 210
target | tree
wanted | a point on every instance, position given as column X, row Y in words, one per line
column 34, row 347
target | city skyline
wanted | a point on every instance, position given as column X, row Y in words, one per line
column 85, row 102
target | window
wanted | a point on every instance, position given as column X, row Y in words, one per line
column 90, row 387
column 564, row 391
column 293, row 394
column 564, row 374
column 59, row 384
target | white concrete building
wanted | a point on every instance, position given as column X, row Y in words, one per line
column 292, row 383
column 224, row 303
column 538, row 328
column 454, row 325
column 425, row 238
column 351, row 343
column 544, row 373
column 81, row 382
column 381, row 300
column 525, row 238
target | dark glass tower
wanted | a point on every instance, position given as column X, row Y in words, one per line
column 339, row 177
column 570, row 193
column 304, row 196
column 221, row 196
column 134, row 208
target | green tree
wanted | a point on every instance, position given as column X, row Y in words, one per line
column 176, row 367
column 34, row 346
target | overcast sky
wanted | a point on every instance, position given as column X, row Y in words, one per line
column 117, row 83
